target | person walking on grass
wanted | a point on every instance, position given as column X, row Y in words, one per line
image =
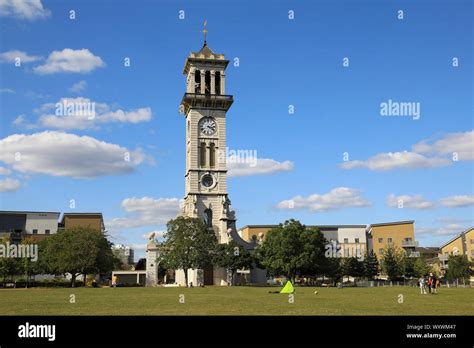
column 114, row 281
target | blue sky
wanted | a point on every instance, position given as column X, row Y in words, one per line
column 282, row 62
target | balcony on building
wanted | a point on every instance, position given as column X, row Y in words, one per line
column 443, row 257
column 408, row 243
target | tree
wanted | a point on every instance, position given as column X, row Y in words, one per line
column 232, row 257
column 291, row 248
column 408, row 266
column 333, row 269
column 188, row 245
column 9, row 266
column 391, row 263
column 371, row 265
column 141, row 265
column 421, row 267
column 459, row 268
column 351, row 266
column 29, row 267
column 79, row 250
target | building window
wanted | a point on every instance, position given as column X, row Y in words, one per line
column 380, row 240
column 472, row 252
column 203, row 154
column 218, row 82
column 346, row 240
column 381, row 251
column 472, row 241
column 197, row 82
column 208, row 217
column 207, row 80
column 35, row 231
column 212, row 155
column 357, row 240
column 390, row 240
column 46, row 231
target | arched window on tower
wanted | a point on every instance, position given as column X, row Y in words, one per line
column 202, row 155
column 197, row 82
column 208, row 217
column 212, row 155
column 208, row 82
column 218, row 83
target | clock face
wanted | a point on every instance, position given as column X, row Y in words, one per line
column 207, row 180
column 208, row 126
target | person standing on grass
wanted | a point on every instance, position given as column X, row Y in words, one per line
column 421, row 283
column 114, row 281
column 434, row 285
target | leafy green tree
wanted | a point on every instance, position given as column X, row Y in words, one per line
column 333, row 269
column 232, row 257
column 408, row 264
column 29, row 267
column 141, row 265
column 371, row 265
column 9, row 267
column 76, row 251
column 291, row 248
column 392, row 262
column 351, row 266
column 421, row 267
column 459, row 268
column 188, row 244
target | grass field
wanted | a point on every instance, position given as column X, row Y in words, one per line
column 235, row 301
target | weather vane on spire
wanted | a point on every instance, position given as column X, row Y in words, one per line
column 205, row 31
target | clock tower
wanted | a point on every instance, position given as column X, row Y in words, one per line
column 204, row 106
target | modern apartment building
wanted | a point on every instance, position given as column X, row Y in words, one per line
column 17, row 225
column 375, row 237
column 399, row 234
column 351, row 240
column 92, row 220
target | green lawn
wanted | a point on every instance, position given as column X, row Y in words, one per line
column 235, row 301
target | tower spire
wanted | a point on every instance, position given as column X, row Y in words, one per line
column 205, row 32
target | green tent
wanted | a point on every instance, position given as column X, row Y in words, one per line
column 288, row 288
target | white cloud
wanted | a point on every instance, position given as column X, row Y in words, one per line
column 13, row 55
column 412, row 202
column 6, row 90
column 146, row 211
column 260, row 166
column 9, row 185
column 337, row 198
column 21, row 122
column 5, row 171
column 78, row 86
column 82, row 113
column 424, row 154
column 63, row 154
column 450, row 229
column 458, row 201
column 396, row 160
column 70, row 61
column 23, row 9
column 460, row 143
